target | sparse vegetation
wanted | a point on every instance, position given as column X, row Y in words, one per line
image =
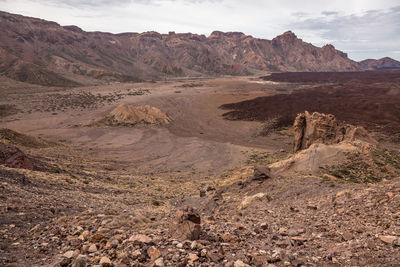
column 7, row 110
column 358, row 169
column 265, row 158
column 185, row 85
column 83, row 100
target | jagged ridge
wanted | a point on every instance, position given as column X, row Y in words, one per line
column 73, row 53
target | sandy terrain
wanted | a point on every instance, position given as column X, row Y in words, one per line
column 104, row 185
column 198, row 139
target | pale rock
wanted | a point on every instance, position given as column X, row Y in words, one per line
column 240, row 263
column 136, row 254
column 250, row 199
column 80, row 261
column 193, row 257
column 69, row 254
column 140, row 239
column 283, row 231
column 388, row 239
column 92, row 248
column 153, row 253
column 159, row 262
column 193, row 245
column 105, row 262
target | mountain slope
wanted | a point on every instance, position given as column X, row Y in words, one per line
column 70, row 53
column 383, row 63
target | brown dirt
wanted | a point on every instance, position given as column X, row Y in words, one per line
column 111, row 183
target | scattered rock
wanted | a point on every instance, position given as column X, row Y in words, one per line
column 97, row 238
column 153, row 253
column 388, row 239
column 80, row 261
column 92, row 248
column 69, row 254
column 65, row 262
column 240, row 263
column 159, row 262
column 140, row 239
column 264, row 226
column 136, row 254
column 193, row 257
column 261, row 173
column 105, row 262
column 250, row 199
column 193, row 245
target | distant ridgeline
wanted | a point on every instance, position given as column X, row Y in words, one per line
column 43, row 52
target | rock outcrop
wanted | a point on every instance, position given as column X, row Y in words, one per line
column 128, row 115
column 187, row 224
column 325, row 129
column 13, row 157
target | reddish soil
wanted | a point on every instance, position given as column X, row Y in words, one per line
column 372, row 103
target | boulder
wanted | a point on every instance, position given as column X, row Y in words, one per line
column 13, row 157
column 187, row 224
column 140, row 239
column 261, row 173
column 105, row 262
column 324, row 129
column 248, row 200
column 153, row 253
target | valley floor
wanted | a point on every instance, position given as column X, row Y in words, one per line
column 109, row 183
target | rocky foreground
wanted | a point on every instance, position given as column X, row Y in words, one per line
column 265, row 215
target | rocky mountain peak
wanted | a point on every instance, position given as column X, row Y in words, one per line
column 149, row 55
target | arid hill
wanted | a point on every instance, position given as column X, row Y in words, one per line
column 43, row 52
column 377, row 64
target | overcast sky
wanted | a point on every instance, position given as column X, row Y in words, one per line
column 361, row 28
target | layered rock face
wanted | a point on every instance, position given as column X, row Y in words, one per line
column 325, row 129
column 43, row 52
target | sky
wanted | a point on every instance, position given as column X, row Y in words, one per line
column 362, row 28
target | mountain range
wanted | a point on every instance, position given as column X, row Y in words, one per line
column 43, row 52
